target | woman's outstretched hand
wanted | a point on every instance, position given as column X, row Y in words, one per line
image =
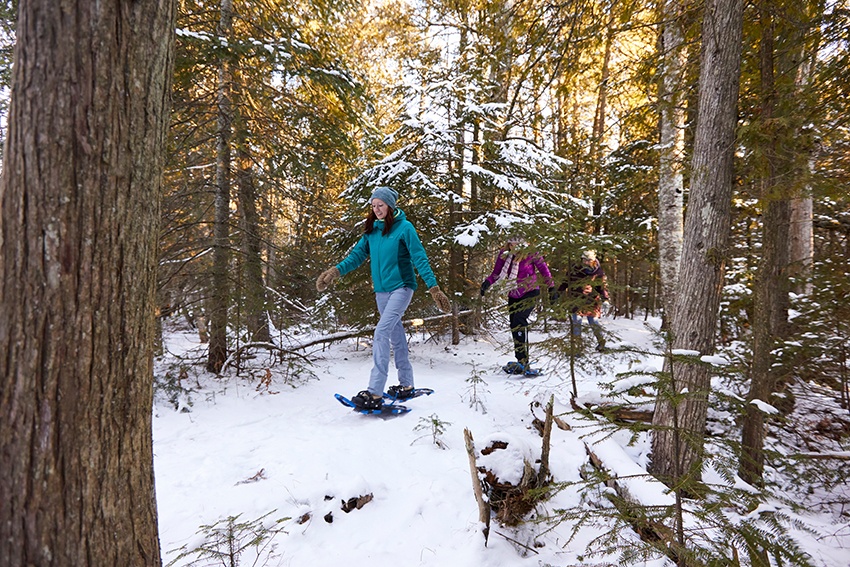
column 440, row 299
column 485, row 285
column 326, row 278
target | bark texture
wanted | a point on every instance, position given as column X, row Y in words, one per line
column 768, row 321
column 802, row 242
column 78, row 242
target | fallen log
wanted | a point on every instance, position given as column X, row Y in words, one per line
column 614, row 413
column 369, row 331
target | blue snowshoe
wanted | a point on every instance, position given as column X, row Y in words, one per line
column 372, row 407
column 515, row 367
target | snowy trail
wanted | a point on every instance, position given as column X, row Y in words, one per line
column 300, row 453
column 309, row 447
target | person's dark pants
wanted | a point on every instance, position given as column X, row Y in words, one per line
column 519, row 310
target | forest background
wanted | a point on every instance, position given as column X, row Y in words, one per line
column 573, row 124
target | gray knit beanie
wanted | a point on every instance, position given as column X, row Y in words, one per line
column 385, row 194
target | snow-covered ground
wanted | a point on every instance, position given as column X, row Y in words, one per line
column 268, row 446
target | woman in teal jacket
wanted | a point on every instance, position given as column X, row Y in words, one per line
column 396, row 253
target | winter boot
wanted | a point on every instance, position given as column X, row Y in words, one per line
column 365, row 400
column 400, row 392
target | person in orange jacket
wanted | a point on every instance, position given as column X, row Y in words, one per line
column 587, row 289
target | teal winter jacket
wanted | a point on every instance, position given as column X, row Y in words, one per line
column 393, row 256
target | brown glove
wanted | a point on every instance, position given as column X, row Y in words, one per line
column 440, row 299
column 326, row 278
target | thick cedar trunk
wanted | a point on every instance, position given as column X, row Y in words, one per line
column 680, row 427
column 220, row 293
column 671, row 152
column 78, row 247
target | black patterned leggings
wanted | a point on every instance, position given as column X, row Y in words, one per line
column 519, row 310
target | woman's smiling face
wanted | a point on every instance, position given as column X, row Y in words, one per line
column 380, row 209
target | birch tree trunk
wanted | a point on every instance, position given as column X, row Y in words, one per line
column 672, row 146
column 220, row 293
column 682, row 406
column 78, row 248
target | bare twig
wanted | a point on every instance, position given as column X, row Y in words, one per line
column 512, row 540
column 268, row 346
column 839, row 455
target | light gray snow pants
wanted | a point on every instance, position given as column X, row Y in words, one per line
column 390, row 333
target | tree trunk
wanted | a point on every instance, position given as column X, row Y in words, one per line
column 78, row 248
column 802, row 239
column 256, row 310
column 496, row 23
column 781, row 155
column 457, row 268
column 769, row 273
column 456, row 272
column 771, row 284
column 220, row 294
column 677, row 443
column 802, row 252
column 671, row 153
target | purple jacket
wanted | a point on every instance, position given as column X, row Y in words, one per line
column 523, row 274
